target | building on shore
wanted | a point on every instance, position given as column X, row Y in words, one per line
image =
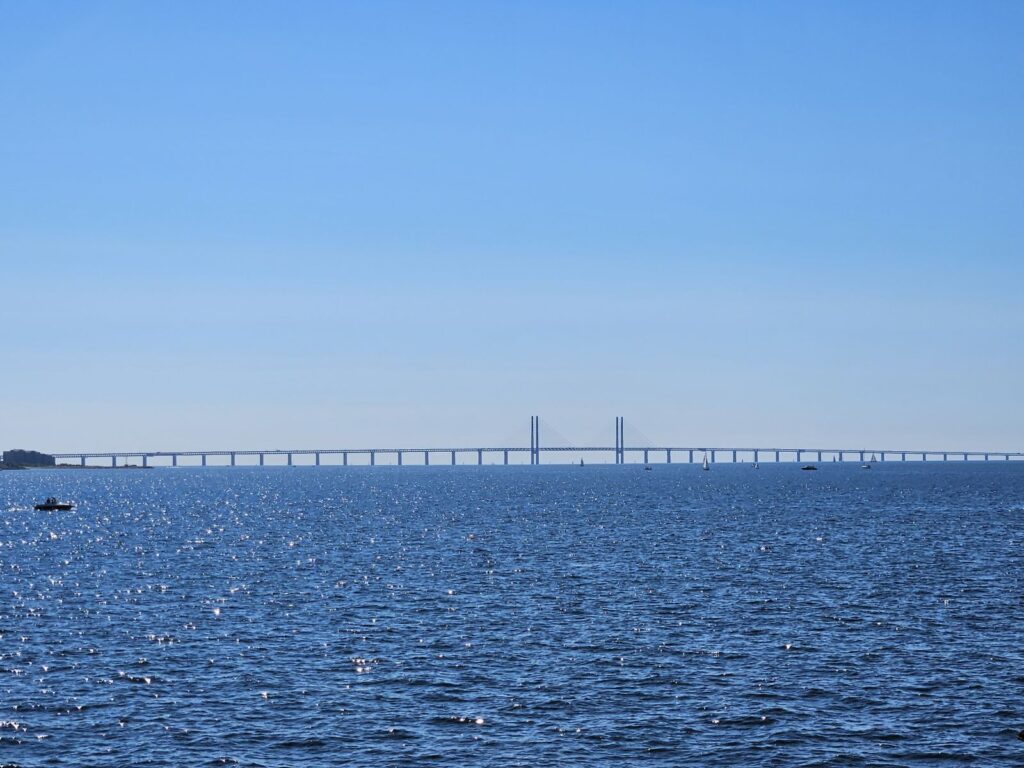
column 22, row 458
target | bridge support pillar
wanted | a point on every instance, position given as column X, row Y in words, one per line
column 506, row 458
column 945, row 457
column 645, row 457
column 174, row 460
column 399, row 457
column 799, row 456
column 204, row 459
column 734, row 457
column 479, row 457
column 262, row 459
column 83, row 460
column 535, row 440
column 903, row 457
column 453, row 458
column 819, row 456
column 373, row 458
column 113, row 461
column 232, row 458
column 881, row 456
column 755, row 457
column 145, row 460
column 344, row 459
column 778, row 456
column 619, row 459
column 289, row 459
column 690, row 452
column 316, row 457
column 965, row 457
column 986, row 457
column 426, row 458
column 712, row 457
column 668, row 455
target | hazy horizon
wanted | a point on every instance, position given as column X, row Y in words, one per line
column 325, row 225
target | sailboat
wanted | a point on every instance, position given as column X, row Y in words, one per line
column 704, row 465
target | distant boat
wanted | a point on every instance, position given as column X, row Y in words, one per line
column 756, row 465
column 647, row 469
column 53, row 505
column 872, row 459
column 809, row 468
column 704, row 465
column 581, row 462
column 865, row 466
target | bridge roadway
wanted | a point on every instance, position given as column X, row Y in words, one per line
column 646, row 453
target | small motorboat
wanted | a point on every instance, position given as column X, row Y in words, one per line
column 647, row 469
column 865, row 466
column 809, row 468
column 52, row 504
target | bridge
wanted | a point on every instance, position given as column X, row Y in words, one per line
column 620, row 453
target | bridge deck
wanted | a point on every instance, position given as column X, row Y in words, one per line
column 656, row 452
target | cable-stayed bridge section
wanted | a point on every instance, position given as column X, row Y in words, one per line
column 619, row 453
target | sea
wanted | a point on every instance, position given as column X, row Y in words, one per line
column 514, row 616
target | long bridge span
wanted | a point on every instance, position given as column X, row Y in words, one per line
column 620, row 453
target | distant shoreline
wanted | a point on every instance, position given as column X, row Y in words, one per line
column 74, row 466
column 95, row 466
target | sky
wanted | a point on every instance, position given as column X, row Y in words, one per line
column 344, row 224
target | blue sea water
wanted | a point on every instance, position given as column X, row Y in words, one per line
column 514, row 616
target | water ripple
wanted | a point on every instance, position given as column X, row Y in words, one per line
column 513, row 616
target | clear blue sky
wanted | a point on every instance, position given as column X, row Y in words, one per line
column 329, row 224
